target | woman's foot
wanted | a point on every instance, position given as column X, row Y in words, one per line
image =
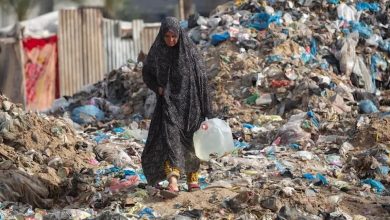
column 173, row 186
column 193, row 187
column 172, row 190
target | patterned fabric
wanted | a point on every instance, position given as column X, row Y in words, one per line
column 192, row 177
column 180, row 111
column 171, row 171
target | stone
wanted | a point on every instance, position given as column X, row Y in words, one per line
column 287, row 213
column 7, row 105
column 34, row 137
column 270, row 203
column 359, row 217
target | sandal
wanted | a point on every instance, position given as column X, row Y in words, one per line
column 169, row 193
column 192, row 187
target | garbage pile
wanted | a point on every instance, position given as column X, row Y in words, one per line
column 36, row 151
column 304, row 86
column 120, row 94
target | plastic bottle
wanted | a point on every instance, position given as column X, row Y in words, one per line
column 214, row 136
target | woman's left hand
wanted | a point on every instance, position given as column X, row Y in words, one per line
column 161, row 91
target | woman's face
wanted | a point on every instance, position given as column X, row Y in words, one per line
column 170, row 39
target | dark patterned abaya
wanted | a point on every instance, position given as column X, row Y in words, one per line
column 183, row 107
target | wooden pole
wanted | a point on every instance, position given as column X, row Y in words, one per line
column 181, row 10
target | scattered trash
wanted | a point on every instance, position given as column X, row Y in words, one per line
column 288, row 78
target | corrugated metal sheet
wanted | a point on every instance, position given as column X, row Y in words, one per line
column 80, row 47
column 11, row 73
column 117, row 50
column 90, row 46
column 148, row 35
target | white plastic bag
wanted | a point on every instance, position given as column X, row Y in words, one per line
column 347, row 54
column 348, row 13
column 214, row 136
column 114, row 154
column 362, row 71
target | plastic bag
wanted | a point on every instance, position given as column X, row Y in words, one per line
column 292, row 132
column 363, row 29
column 114, row 154
column 117, row 185
column 304, row 155
column 377, row 63
column 219, row 38
column 150, row 104
column 273, row 58
column 384, row 45
column 363, row 6
column 138, row 134
column 87, row 114
column 214, row 136
column 313, row 47
column 367, row 107
column 362, row 71
column 378, row 186
column 374, row 40
column 334, row 2
column 348, row 13
column 347, row 54
column 261, row 21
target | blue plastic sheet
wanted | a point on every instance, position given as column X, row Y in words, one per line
column 280, row 167
column 261, row 21
column 106, row 171
column 364, row 6
column 313, row 47
column 378, row 186
column 147, row 212
column 137, row 117
column 249, row 126
column 319, row 178
column 129, row 172
column 202, row 182
column 324, row 65
column 363, row 29
column 273, row 58
column 313, row 118
column 100, row 137
column 240, row 144
column 384, row 45
column 306, row 57
column 322, row 179
column 141, row 176
column 295, row 146
column 334, row 2
column 384, row 170
column 308, row 176
column 376, row 62
column 219, row 38
column 118, row 130
column 184, row 24
column 87, row 114
column 367, row 107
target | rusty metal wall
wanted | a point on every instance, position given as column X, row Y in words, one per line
column 80, row 49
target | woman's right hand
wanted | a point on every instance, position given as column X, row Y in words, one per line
column 161, row 91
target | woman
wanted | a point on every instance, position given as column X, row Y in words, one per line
column 175, row 71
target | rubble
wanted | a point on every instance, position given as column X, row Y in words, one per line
column 304, row 86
